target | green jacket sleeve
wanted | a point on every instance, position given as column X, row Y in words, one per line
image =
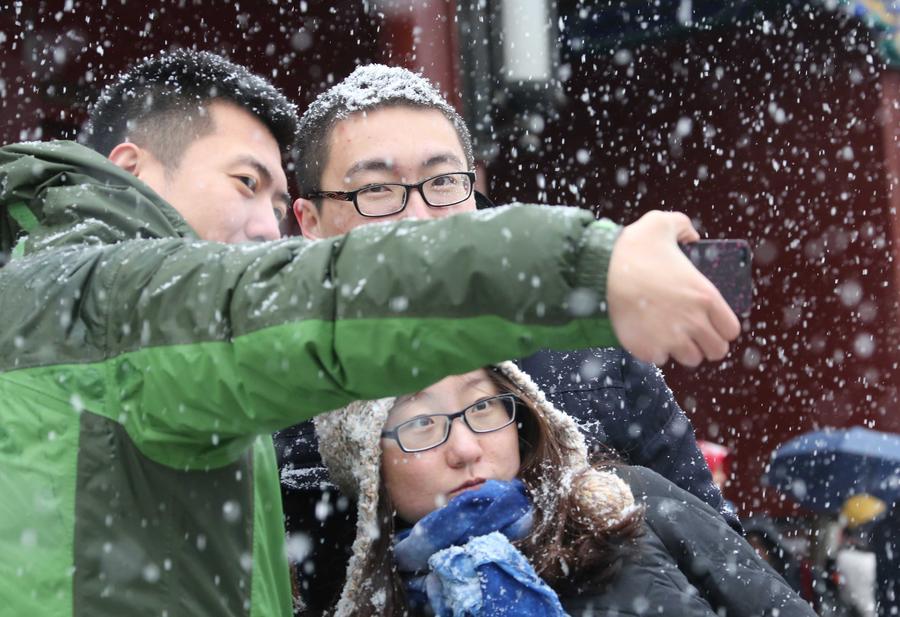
column 196, row 347
column 213, row 342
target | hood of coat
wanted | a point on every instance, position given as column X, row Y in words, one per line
column 350, row 445
column 44, row 201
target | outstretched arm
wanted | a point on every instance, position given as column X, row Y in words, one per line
column 195, row 347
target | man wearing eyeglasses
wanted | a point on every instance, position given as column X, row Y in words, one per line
column 363, row 162
column 384, row 145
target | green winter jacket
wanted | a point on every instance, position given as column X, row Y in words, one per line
column 142, row 371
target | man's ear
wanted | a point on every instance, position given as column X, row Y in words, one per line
column 127, row 156
column 309, row 219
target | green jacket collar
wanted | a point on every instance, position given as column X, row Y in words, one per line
column 59, row 193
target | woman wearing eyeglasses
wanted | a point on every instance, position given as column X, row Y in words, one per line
column 476, row 497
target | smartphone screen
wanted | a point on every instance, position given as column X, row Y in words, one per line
column 726, row 263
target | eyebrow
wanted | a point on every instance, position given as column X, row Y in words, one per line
column 440, row 159
column 406, row 398
column 263, row 171
column 477, row 381
column 369, row 165
column 387, row 164
column 469, row 383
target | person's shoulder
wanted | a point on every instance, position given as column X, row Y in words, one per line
column 673, row 513
column 645, row 481
column 51, row 149
column 649, row 485
column 637, row 372
column 587, row 367
column 581, row 368
column 67, row 161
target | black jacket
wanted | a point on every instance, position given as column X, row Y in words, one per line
column 617, row 400
column 687, row 563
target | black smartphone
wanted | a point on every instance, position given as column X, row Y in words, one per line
column 726, row 263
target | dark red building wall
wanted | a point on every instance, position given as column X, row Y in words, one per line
column 56, row 55
column 781, row 130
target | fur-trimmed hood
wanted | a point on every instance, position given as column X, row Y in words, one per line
column 350, row 445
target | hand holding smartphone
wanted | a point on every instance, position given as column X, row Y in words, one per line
column 726, row 263
column 655, row 299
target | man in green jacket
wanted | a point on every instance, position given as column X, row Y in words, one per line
column 144, row 361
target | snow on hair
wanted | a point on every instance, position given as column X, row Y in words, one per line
column 367, row 88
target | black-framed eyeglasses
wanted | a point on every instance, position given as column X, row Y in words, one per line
column 376, row 200
column 430, row 431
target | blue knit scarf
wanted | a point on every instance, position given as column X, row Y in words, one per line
column 460, row 561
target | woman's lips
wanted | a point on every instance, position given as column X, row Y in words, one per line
column 468, row 484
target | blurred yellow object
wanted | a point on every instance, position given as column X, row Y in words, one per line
column 861, row 509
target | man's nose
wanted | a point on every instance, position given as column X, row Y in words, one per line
column 463, row 445
column 416, row 208
column 263, row 225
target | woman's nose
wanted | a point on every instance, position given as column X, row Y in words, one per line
column 463, row 446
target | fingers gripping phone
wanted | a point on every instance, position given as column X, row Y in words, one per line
column 726, row 263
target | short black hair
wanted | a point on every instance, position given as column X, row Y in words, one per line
column 160, row 104
column 366, row 89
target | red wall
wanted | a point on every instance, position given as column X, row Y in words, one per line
column 54, row 60
column 792, row 143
